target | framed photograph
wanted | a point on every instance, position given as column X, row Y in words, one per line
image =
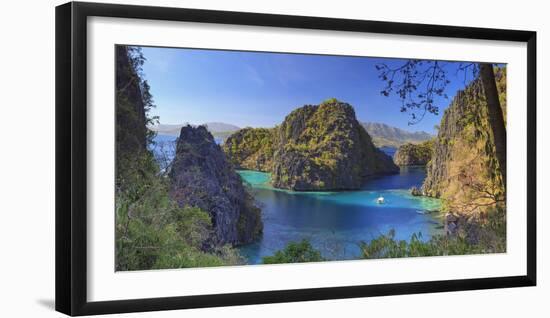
column 210, row 158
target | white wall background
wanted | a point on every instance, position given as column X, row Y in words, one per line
column 27, row 158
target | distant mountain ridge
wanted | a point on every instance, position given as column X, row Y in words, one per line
column 388, row 136
column 382, row 135
column 174, row 129
column 216, row 127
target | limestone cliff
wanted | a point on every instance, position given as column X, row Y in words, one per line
column 202, row 177
column 131, row 131
column 463, row 169
column 251, row 148
column 317, row 147
column 414, row 154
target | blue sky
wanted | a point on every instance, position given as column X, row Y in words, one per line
column 259, row 89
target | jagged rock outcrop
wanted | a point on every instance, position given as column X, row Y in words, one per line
column 251, row 148
column 130, row 125
column 416, row 192
column 463, row 169
column 317, row 147
column 324, row 147
column 414, row 154
column 202, row 177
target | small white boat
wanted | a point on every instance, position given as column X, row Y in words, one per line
column 380, row 200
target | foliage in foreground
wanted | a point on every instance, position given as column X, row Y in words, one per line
column 152, row 232
column 295, row 252
column 487, row 236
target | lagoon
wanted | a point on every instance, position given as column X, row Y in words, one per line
column 333, row 222
column 336, row 222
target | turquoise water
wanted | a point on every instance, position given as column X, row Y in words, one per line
column 335, row 222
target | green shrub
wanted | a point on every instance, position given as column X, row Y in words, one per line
column 489, row 233
column 152, row 232
column 295, row 252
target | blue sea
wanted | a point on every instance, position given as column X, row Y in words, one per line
column 390, row 151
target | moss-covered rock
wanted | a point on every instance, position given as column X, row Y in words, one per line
column 414, row 154
column 463, row 170
column 317, row 147
column 251, row 148
column 324, row 147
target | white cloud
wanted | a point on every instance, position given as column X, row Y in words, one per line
column 253, row 75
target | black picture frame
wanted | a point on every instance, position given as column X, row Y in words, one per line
column 71, row 157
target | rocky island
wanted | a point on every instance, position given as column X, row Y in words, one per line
column 202, row 177
column 317, row 147
column 251, row 148
column 414, row 154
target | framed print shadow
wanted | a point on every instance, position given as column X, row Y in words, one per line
column 212, row 158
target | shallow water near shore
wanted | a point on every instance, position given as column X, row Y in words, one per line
column 336, row 222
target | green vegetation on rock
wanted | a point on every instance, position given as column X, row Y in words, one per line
column 325, row 148
column 317, row 147
column 414, row 155
column 251, row 148
column 464, row 171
